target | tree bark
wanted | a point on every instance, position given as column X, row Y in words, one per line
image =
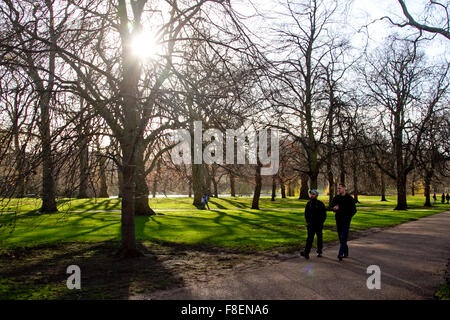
column 120, row 182
column 355, row 177
column 258, row 186
column 427, row 182
column 291, row 192
column 313, row 179
column 304, row 193
column 383, row 187
column 401, row 193
column 197, row 184
column 342, row 167
column 103, row 192
column 274, row 188
column 355, row 187
column 48, row 182
column 84, row 169
column 232, row 185
column 190, row 189
column 215, row 188
column 20, row 186
column 128, row 244
column 142, row 207
column 208, row 179
column 156, row 178
column 283, row 189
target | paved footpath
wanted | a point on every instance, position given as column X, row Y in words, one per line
column 412, row 257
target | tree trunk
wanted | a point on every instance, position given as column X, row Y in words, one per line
column 413, row 185
column 313, row 179
column 355, row 187
column 427, row 182
column 342, row 167
column 398, row 152
column 120, row 182
column 401, row 193
column 128, row 244
column 156, row 178
column 291, row 192
column 155, row 185
column 355, row 177
column 274, row 188
column 103, row 181
column 83, row 154
column 258, row 186
column 330, row 133
column 19, row 190
column 197, row 184
column 142, row 207
column 283, row 189
column 208, row 180
column 304, row 193
column 214, row 181
column 232, row 185
column 215, row 188
column 48, row 182
column 84, row 169
column 383, row 187
column 190, row 189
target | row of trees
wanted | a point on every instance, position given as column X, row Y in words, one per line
column 85, row 101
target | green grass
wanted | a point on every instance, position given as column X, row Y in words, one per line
column 36, row 248
column 15, row 290
column 444, row 291
column 29, row 204
column 232, row 225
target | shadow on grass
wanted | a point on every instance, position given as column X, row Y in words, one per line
column 40, row 272
column 218, row 205
column 92, row 204
column 235, row 203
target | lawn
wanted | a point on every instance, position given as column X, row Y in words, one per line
column 231, row 224
column 182, row 244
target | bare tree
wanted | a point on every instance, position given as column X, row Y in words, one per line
column 436, row 20
column 397, row 80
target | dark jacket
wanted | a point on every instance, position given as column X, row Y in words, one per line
column 347, row 207
column 315, row 212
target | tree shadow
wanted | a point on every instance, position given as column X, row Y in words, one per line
column 218, row 205
column 103, row 275
column 235, row 203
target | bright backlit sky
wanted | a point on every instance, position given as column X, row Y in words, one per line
column 364, row 13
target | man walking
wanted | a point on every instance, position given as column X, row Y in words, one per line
column 315, row 215
column 344, row 206
column 205, row 200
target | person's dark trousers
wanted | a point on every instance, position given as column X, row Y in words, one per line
column 312, row 231
column 343, row 229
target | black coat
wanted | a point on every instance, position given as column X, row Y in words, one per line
column 347, row 207
column 315, row 212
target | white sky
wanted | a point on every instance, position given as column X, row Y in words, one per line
column 362, row 13
column 366, row 11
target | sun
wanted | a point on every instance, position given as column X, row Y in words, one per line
column 144, row 46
